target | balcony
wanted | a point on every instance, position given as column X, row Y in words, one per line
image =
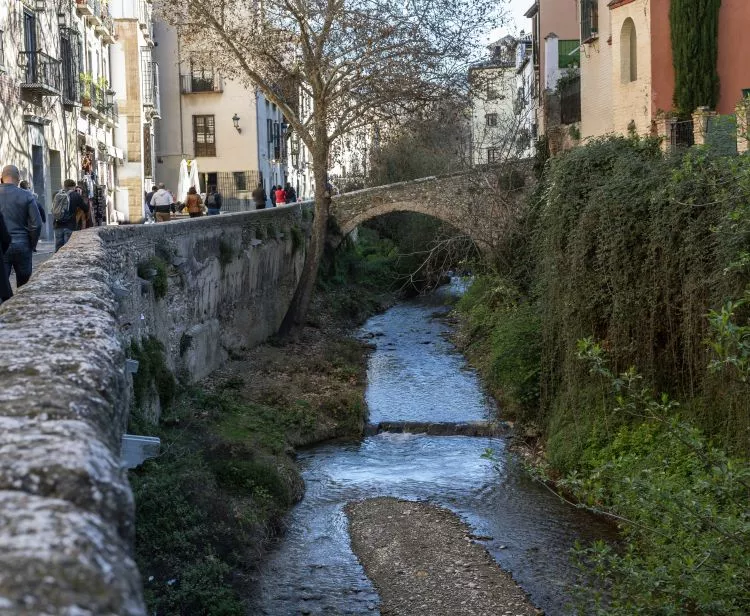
column 84, row 8
column 201, row 82
column 107, row 28
column 42, row 73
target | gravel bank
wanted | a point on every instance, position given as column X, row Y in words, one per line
column 423, row 562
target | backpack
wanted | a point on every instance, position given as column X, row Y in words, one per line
column 61, row 206
column 211, row 200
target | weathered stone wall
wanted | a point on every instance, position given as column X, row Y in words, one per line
column 66, row 509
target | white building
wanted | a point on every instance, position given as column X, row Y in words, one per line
column 525, row 103
column 236, row 137
column 135, row 80
column 494, row 123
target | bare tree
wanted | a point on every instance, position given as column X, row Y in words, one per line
column 356, row 61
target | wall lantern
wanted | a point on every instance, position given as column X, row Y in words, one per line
column 236, row 122
column 62, row 20
column 40, row 6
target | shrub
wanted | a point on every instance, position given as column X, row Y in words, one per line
column 155, row 271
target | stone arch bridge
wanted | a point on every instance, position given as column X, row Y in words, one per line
column 479, row 203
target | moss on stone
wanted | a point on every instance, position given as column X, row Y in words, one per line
column 152, row 370
column 155, row 271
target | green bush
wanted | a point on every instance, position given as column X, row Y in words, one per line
column 155, row 271
column 681, row 503
column 152, row 369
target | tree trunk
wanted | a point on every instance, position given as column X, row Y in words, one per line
column 297, row 312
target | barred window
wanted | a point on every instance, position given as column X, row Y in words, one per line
column 204, row 135
column 493, row 155
column 491, row 119
column 240, row 180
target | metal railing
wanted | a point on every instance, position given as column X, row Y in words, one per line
column 681, row 134
column 207, row 82
column 589, row 19
column 41, row 72
column 570, row 102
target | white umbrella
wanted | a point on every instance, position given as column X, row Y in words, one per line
column 183, row 182
column 194, row 177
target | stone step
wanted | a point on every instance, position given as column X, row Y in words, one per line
column 465, row 428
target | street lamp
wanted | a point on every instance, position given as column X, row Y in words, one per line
column 236, row 122
column 62, row 21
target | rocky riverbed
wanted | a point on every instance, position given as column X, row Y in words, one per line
column 425, row 562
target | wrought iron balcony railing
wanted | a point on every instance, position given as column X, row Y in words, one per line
column 203, row 82
column 42, row 73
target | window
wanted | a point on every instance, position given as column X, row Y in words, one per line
column 240, row 180
column 589, row 19
column 493, row 155
column 569, row 54
column 628, row 52
column 491, row 119
column 204, row 135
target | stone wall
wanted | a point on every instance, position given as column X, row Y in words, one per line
column 66, row 509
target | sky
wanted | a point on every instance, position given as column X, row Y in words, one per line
column 517, row 22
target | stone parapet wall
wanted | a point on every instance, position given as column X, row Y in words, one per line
column 66, row 509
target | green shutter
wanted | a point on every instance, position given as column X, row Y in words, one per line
column 569, row 53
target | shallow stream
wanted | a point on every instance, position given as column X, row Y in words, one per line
column 416, row 374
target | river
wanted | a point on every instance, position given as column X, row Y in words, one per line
column 416, row 374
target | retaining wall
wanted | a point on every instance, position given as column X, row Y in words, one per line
column 66, row 509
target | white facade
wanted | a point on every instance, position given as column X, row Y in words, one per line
column 494, row 123
column 135, row 79
column 525, row 105
column 236, row 137
column 48, row 53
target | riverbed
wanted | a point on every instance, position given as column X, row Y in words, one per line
column 416, row 374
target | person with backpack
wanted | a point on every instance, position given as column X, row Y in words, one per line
column 23, row 222
column 213, row 201
column 68, row 206
column 291, row 194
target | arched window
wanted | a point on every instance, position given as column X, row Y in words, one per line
column 628, row 52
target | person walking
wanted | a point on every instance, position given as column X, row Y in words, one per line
column 291, row 194
column 149, row 196
column 23, row 223
column 194, row 203
column 25, row 186
column 162, row 202
column 5, row 291
column 68, row 210
column 273, row 196
column 280, row 196
column 213, row 201
column 259, row 196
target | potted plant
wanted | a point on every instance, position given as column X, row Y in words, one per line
column 86, row 81
column 102, row 86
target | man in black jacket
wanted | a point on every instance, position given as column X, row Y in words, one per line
column 23, row 222
column 5, row 291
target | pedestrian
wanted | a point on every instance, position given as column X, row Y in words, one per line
column 194, row 203
column 291, row 194
column 69, row 209
column 5, row 291
column 25, row 186
column 273, row 196
column 280, row 196
column 149, row 196
column 23, row 223
column 213, row 201
column 259, row 196
column 84, row 218
column 162, row 202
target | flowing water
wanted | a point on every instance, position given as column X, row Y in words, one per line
column 415, row 374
